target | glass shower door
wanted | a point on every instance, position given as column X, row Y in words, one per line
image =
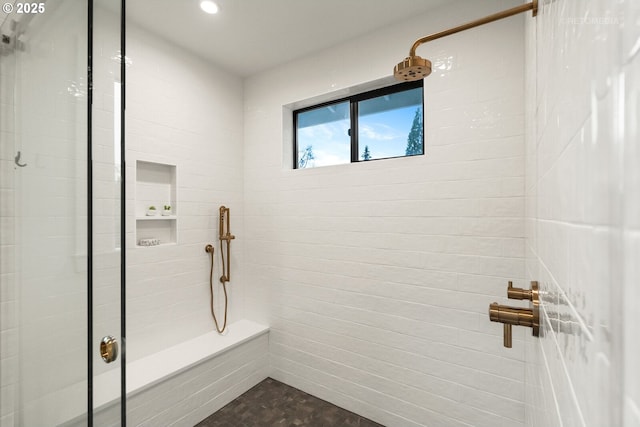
column 60, row 274
column 107, row 213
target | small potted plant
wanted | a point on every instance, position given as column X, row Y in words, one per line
column 151, row 211
column 167, row 210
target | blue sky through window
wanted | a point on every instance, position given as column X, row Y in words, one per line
column 326, row 130
column 386, row 133
column 384, row 124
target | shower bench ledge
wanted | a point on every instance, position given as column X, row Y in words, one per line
column 146, row 372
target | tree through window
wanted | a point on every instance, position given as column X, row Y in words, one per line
column 380, row 124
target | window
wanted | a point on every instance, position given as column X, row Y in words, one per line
column 380, row 124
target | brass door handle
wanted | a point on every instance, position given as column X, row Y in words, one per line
column 109, row 349
column 510, row 316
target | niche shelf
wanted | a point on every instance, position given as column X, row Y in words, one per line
column 156, row 186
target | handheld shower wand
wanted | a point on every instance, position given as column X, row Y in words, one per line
column 210, row 250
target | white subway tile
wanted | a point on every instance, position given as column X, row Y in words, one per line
column 395, row 260
column 575, row 192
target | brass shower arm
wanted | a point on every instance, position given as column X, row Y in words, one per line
column 533, row 6
column 415, row 68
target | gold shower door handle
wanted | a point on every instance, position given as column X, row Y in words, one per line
column 109, row 349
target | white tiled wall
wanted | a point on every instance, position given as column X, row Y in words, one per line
column 181, row 111
column 582, row 212
column 379, row 274
column 185, row 112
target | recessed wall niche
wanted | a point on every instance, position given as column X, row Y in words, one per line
column 155, row 187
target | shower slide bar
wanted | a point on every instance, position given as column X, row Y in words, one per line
column 225, row 235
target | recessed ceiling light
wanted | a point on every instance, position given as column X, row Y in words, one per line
column 209, row 6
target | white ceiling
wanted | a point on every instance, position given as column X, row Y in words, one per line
column 249, row 36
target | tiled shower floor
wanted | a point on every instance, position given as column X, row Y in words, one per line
column 272, row 403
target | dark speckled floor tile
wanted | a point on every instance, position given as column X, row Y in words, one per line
column 274, row 404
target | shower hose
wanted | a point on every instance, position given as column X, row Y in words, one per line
column 224, row 287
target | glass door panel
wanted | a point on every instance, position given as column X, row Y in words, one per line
column 44, row 139
column 108, row 357
column 60, row 275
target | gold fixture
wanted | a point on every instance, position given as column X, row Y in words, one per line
column 225, row 235
column 509, row 316
column 415, row 68
column 109, row 349
column 412, row 68
column 520, row 293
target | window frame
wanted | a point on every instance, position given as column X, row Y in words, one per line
column 353, row 118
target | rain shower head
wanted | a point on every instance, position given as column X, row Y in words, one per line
column 415, row 68
column 412, row 68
